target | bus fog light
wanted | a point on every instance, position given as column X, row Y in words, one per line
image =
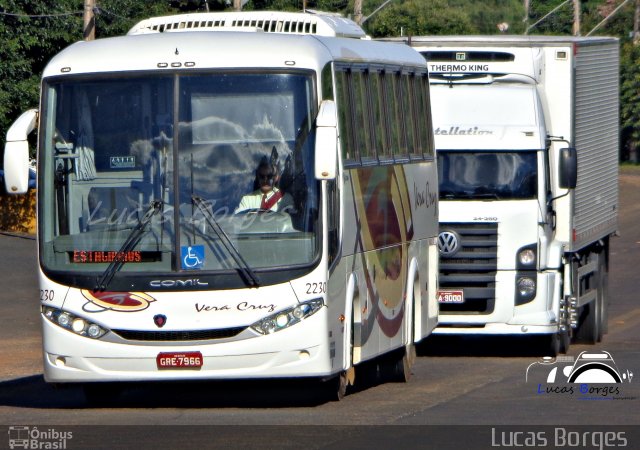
column 286, row 318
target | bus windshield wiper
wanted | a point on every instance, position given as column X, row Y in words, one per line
column 131, row 241
column 248, row 273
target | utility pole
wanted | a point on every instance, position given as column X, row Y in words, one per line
column 576, row 17
column 89, row 30
column 357, row 12
column 526, row 13
column 237, row 5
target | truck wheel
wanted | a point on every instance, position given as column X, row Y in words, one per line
column 590, row 317
column 564, row 341
column 603, row 292
column 549, row 344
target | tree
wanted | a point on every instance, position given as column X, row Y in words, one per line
column 29, row 42
column 32, row 31
column 417, row 17
column 629, row 105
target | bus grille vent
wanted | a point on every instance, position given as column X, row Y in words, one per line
column 176, row 336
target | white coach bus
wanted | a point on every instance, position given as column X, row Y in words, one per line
column 148, row 144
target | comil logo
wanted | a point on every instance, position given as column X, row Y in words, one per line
column 34, row 438
column 591, row 376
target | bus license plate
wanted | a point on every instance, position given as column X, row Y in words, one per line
column 184, row 360
column 450, row 297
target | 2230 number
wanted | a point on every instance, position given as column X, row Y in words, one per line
column 316, row 288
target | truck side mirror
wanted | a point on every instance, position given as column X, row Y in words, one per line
column 16, row 153
column 326, row 141
column 568, row 168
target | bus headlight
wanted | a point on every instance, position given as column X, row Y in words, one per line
column 286, row 318
column 525, row 288
column 73, row 323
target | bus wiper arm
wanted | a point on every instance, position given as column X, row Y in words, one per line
column 131, row 241
column 248, row 273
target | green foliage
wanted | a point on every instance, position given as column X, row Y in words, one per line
column 29, row 42
column 558, row 23
column 417, row 17
column 592, row 12
column 420, row 17
column 629, row 105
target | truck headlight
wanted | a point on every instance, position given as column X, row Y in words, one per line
column 525, row 288
column 286, row 318
column 73, row 323
column 526, row 257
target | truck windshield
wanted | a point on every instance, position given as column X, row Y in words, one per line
column 194, row 145
column 466, row 175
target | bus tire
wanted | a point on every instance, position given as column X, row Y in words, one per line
column 397, row 366
column 335, row 387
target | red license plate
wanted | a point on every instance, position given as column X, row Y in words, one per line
column 451, row 296
column 184, row 360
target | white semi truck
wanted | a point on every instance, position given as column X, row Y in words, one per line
column 526, row 130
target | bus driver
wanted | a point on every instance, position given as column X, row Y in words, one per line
column 266, row 195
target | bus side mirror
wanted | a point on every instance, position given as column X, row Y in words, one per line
column 568, row 170
column 16, row 153
column 326, row 141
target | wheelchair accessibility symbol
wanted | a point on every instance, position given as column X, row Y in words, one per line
column 192, row 257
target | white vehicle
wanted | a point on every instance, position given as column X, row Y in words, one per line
column 147, row 144
column 524, row 248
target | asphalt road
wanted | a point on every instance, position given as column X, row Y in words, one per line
column 472, row 382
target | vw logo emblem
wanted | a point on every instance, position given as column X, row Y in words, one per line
column 448, row 243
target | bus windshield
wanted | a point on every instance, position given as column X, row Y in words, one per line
column 465, row 175
column 208, row 172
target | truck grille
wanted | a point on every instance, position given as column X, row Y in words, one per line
column 471, row 267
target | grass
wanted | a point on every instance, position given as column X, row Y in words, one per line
column 629, row 168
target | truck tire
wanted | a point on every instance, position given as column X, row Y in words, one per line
column 591, row 320
column 554, row 344
column 603, row 292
